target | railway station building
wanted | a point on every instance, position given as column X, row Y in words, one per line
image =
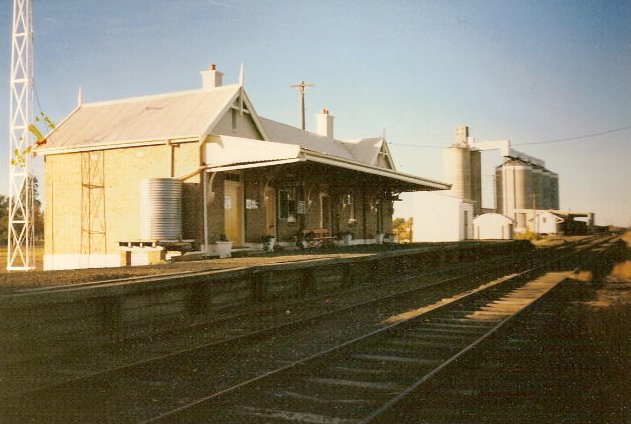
column 190, row 168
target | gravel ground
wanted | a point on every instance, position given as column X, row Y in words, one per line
column 31, row 279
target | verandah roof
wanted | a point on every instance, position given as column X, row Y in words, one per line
column 223, row 153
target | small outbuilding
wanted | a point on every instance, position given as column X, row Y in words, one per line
column 439, row 217
column 493, row 226
column 546, row 222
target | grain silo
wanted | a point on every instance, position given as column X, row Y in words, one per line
column 537, row 188
column 517, row 183
column 554, row 190
column 546, row 188
column 457, row 171
column 499, row 190
column 161, row 209
column 476, row 181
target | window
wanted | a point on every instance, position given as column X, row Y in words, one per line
column 287, row 204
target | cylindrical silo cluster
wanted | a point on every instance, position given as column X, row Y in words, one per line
column 522, row 185
column 522, row 182
column 161, row 209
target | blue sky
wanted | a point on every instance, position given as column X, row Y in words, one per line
column 528, row 71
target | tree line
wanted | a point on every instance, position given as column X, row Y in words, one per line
column 37, row 213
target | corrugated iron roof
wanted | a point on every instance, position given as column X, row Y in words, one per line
column 235, row 153
column 365, row 149
column 191, row 115
column 225, row 150
column 160, row 117
column 284, row 133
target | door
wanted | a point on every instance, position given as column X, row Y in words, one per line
column 233, row 211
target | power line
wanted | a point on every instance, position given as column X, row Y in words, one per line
column 556, row 140
column 578, row 137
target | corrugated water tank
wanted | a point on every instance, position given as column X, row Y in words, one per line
column 161, row 209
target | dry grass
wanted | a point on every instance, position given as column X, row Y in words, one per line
column 607, row 328
column 38, row 252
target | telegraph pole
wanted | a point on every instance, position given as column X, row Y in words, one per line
column 21, row 208
column 301, row 87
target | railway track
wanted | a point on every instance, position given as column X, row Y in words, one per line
column 269, row 318
column 185, row 374
column 360, row 380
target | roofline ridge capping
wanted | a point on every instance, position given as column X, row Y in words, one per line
column 158, row 95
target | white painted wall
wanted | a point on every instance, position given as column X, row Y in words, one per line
column 493, row 226
column 545, row 222
column 438, row 217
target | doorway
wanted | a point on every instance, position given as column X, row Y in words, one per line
column 233, row 209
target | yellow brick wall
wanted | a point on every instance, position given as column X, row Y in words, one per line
column 123, row 171
column 62, row 215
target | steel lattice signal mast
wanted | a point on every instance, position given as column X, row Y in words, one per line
column 21, row 208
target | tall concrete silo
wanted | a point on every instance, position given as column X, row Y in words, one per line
column 457, row 171
column 476, row 181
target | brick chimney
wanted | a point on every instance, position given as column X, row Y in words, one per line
column 325, row 123
column 212, row 78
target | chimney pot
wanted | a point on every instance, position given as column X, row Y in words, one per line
column 325, row 123
column 212, row 78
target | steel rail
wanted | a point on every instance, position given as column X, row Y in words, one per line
column 259, row 333
column 378, row 332
column 426, row 378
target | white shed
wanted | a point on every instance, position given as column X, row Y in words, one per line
column 493, row 226
column 546, row 222
column 438, row 217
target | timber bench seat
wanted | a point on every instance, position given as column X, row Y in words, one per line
column 317, row 237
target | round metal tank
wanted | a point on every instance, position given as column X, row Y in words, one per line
column 537, row 187
column 457, row 171
column 161, row 209
column 476, row 181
